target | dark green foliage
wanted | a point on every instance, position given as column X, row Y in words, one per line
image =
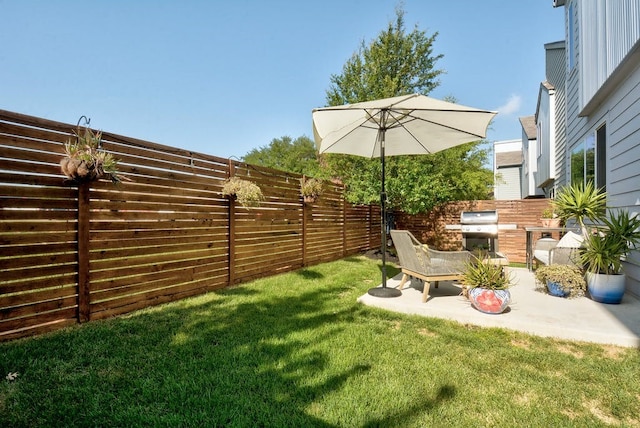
column 299, row 155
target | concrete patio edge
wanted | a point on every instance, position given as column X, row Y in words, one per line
column 530, row 311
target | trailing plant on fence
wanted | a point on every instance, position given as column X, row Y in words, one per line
column 247, row 193
column 86, row 161
column 310, row 189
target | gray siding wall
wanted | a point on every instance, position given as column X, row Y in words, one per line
column 619, row 110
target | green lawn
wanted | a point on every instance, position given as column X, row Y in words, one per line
column 297, row 350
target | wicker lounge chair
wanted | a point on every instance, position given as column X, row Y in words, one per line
column 419, row 261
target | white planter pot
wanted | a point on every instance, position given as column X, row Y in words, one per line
column 605, row 288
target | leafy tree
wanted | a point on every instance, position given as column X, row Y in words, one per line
column 299, row 155
column 396, row 63
column 401, row 63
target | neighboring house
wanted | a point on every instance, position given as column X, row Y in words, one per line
column 529, row 158
column 602, row 81
column 550, row 121
column 507, row 169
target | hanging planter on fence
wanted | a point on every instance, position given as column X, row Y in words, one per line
column 310, row 189
column 85, row 160
column 247, row 193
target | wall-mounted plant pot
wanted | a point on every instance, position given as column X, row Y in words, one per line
column 606, row 288
column 309, row 199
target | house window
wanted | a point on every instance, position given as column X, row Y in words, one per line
column 588, row 159
column 601, row 157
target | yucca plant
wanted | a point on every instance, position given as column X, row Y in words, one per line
column 605, row 249
column 582, row 201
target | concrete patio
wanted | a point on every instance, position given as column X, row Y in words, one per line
column 530, row 311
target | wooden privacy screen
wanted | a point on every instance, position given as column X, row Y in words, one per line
column 72, row 253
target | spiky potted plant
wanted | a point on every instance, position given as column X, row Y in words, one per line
column 86, row 161
column 486, row 284
column 607, row 241
column 604, row 251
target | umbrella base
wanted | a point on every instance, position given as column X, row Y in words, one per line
column 385, row 292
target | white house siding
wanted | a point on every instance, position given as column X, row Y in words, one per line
column 545, row 120
column 529, row 157
column 556, row 75
column 510, row 187
column 526, row 185
column 607, row 30
column 617, row 105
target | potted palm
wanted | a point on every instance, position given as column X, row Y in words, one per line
column 603, row 253
column 486, row 285
column 605, row 244
column 561, row 280
column 580, row 202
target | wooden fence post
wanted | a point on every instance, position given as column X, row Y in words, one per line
column 344, row 224
column 232, row 231
column 84, row 280
column 304, row 232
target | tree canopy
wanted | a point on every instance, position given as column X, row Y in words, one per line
column 400, row 63
column 396, row 63
column 299, row 155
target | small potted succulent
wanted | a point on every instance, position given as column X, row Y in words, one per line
column 247, row 193
column 561, row 280
column 486, row 285
column 550, row 217
column 310, row 189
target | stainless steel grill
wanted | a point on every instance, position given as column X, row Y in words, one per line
column 479, row 230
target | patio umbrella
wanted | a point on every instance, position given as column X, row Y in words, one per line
column 404, row 125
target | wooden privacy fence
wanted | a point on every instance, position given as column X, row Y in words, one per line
column 72, row 253
column 436, row 228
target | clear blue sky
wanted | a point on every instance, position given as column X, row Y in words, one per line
column 224, row 77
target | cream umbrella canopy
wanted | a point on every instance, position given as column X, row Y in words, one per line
column 404, row 125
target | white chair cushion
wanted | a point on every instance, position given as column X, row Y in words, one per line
column 570, row 240
column 542, row 256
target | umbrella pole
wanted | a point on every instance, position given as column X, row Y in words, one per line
column 383, row 291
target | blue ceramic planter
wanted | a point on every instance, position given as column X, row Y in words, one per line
column 555, row 289
column 606, row 288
